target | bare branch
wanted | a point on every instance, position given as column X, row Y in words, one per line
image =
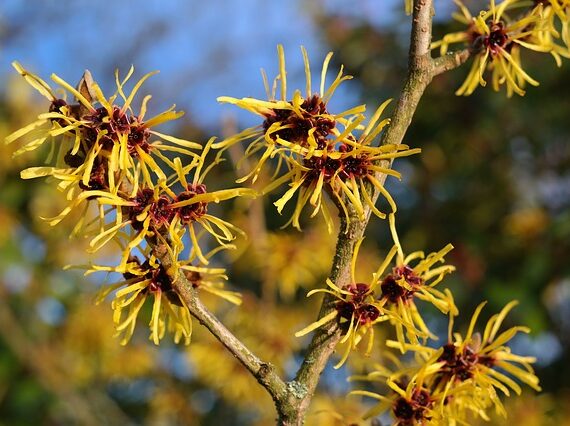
column 419, row 73
column 421, row 33
column 450, row 61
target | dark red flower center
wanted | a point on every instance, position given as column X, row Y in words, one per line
column 393, row 291
column 409, row 412
column 161, row 210
column 158, row 208
column 296, row 128
column 357, row 306
column 108, row 127
column 195, row 211
column 159, row 279
column 462, row 364
column 497, row 39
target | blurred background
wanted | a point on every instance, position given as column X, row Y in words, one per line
column 493, row 179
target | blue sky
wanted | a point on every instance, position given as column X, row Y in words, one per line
column 202, row 49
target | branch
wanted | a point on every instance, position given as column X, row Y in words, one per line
column 264, row 373
column 325, row 339
column 421, row 33
column 420, row 73
column 450, row 61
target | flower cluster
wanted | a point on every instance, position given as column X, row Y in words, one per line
column 388, row 297
column 458, row 380
column 149, row 278
column 497, row 36
column 319, row 151
column 409, row 282
column 113, row 166
column 445, row 385
column 356, row 308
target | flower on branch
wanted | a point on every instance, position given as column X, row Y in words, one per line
column 496, row 39
column 99, row 148
column 356, row 309
column 321, row 152
column 468, row 370
column 297, row 126
column 174, row 211
column 141, row 281
column 410, row 399
column 149, row 279
column 346, row 169
column 415, row 276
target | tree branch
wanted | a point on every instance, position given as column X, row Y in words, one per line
column 420, row 73
column 420, row 43
column 325, row 339
column 450, row 61
column 264, row 372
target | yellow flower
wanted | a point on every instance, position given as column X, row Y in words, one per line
column 317, row 148
column 99, row 148
column 496, row 41
column 468, row 372
column 554, row 13
column 125, row 138
column 300, row 126
column 190, row 207
column 407, row 283
column 343, row 170
column 475, row 357
column 142, row 280
column 170, row 214
column 411, row 399
column 356, row 309
column 99, row 129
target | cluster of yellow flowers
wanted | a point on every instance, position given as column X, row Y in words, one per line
column 447, row 385
column 497, row 36
column 112, row 166
column 388, row 297
column 320, row 151
column 456, row 382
